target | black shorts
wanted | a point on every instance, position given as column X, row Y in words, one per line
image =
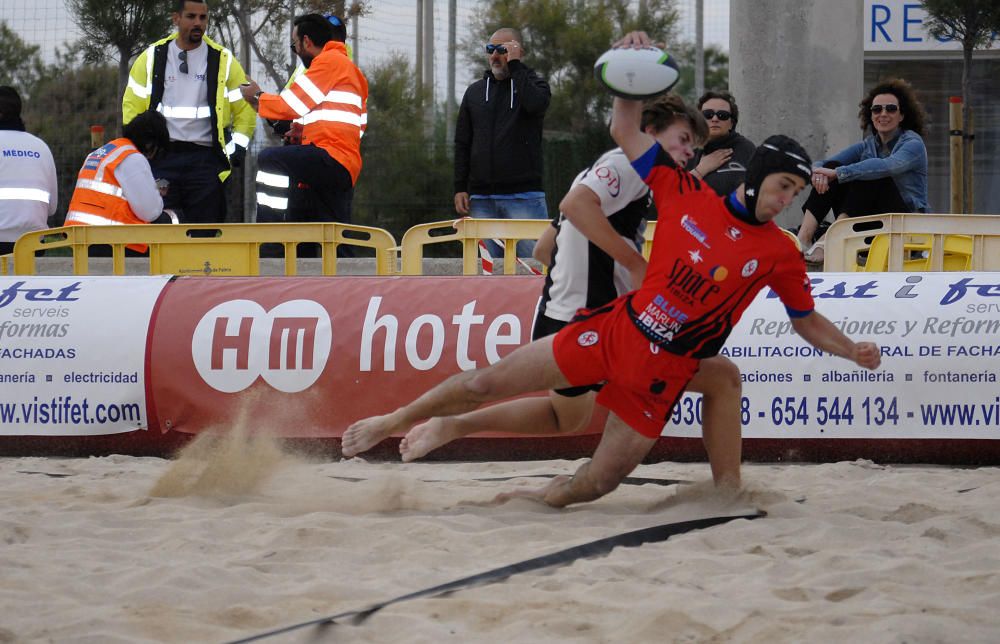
column 545, row 326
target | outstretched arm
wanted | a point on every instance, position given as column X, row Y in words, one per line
column 626, row 115
column 818, row 331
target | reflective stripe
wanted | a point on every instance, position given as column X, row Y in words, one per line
column 278, row 203
column 27, row 194
column 309, row 88
column 349, row 98
column 185, row 112
column 229, row 149
column 241, row 139
column 99, row 186
column 234, row 95
column 92, row 220
column 364, row 118
column 117, row 152
column 337, row 116
column 293, row 102
column 229, row 66
column 273, row 180
column 137, row 89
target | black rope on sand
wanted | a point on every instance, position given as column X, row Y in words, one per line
column 628, row 480
column 596, row 548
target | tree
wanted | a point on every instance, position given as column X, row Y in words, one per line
column 257, row 26
column 975, row 24
column 21, row 65
column 716, row 70
column 406, row 180
column 65, row 103
column 127, row 26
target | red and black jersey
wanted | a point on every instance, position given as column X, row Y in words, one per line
column 709, row 260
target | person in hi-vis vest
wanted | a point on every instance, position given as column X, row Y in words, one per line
column 331, row 99
column 194, row 82
column 116, row 185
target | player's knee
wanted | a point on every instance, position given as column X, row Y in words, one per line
column 721, row 376
column 481, row 384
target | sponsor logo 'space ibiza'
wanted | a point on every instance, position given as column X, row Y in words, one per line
column 238, row 341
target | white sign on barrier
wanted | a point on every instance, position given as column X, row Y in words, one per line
column 940, row 340
column 72, row 354
column 901, row 26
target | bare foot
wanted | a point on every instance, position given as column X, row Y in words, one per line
column 366, row 434
column 425, row 438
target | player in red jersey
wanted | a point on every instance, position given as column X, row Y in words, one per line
column 711, row 256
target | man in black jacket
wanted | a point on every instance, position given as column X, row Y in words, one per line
column 498, row 139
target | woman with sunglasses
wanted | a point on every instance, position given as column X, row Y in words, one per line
column 885, row 172
column 722, row 162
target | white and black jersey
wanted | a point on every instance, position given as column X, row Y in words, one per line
column 581, row 275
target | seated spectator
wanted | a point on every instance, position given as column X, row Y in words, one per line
column 722, row 162
column 116, row 184
column 885, row 172
column 29, row 193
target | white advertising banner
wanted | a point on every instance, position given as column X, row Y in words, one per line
column 900, row 26
column 940, row 339
column 73, row 352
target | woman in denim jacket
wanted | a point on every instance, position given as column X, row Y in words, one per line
column 886, row 172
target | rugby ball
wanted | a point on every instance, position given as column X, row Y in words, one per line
column 636, row 73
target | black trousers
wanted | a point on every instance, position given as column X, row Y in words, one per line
column 302, row 183
column 855, row 198
column 195, row 191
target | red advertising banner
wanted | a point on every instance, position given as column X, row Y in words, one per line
column 306, row 357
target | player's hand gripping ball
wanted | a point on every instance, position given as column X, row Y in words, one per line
column 636, row 73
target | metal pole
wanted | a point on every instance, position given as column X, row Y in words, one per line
column 419, row 63
column 450, row 106
column 699, row 48
column 955, row 148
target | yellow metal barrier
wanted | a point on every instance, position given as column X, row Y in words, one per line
column 468, row 232
column 206, row 249
column 914, row 242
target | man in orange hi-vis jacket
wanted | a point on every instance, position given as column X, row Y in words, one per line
column 330, row 99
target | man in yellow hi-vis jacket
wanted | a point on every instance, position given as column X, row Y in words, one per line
column 195, row 83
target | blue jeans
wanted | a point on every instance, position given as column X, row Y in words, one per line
column 505, row 207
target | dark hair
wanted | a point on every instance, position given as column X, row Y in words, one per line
column 148, row 132
column 179, row 4
column 10, row 103
column 317, row 27
column 722, row 95
column 914, row 116
column 339, row 27
column 662, row 111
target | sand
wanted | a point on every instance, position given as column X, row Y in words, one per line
column 238, row 536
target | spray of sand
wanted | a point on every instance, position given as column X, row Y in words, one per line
column 226, row 461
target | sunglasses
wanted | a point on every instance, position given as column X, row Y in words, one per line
column 890, row 108
column 500, row 49
column 334, row 20
column 183, row 56
column 724, row 115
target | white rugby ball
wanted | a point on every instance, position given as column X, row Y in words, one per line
column 636, row 73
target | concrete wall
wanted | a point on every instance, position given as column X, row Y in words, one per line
column 797, row 68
